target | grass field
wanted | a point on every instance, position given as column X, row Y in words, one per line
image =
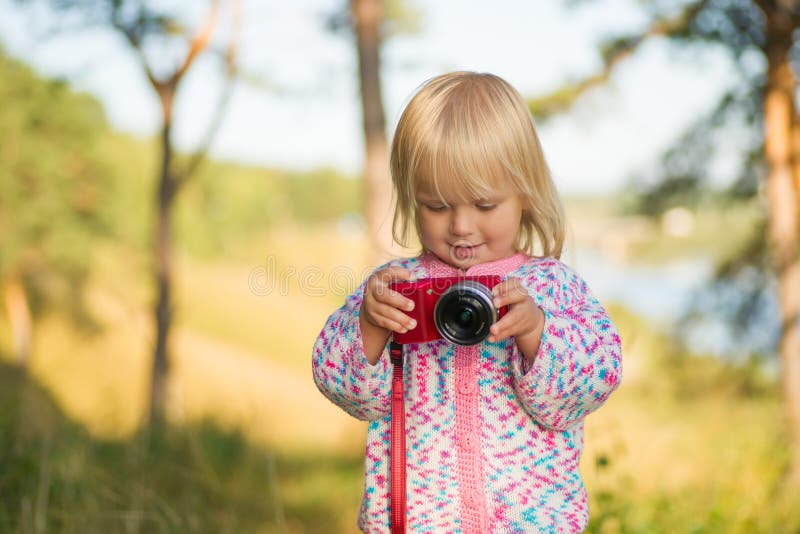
column 687, row 444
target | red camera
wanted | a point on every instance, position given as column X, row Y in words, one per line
column 456, row 308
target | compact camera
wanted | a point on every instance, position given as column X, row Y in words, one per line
column 458, row 308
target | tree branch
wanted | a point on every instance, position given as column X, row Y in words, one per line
column 789, row 7
column 134, row 39
column 614, row 52
column 765, row 6
column 199, row 42
column 230, row 77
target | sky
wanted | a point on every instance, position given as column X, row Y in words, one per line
column 304, row 112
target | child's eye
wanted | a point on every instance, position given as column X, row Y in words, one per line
column 486, row 207
column 436, row 207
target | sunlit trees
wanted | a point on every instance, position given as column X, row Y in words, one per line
column 55, row 189
column 367, row 27
column 371, row 23
column 158, row 36
column 761, row 38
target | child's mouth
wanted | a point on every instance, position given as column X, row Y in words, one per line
column 462, row 252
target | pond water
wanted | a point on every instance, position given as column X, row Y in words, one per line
column 658, row 293
column 662, row 293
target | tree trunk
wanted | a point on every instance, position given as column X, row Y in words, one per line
column 163, row 260
column 783, row 229
column 368, row 15
column 19, row 317
column 170, row 181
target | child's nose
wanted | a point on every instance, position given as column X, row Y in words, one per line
column 460, row 222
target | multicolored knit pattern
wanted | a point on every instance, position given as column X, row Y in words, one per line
column 488, row 447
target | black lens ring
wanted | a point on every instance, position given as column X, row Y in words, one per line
column 479, row 294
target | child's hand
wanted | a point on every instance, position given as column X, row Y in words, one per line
column 383, row 307
column 524, row 319
column 382, row 311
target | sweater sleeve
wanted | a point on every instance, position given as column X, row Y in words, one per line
column 340, row 367
column 579, row 363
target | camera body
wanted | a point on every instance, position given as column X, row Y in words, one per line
column 456, row 308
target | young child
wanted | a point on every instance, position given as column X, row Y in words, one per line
column 494, row 430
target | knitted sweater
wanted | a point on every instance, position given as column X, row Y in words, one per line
column 488, row 448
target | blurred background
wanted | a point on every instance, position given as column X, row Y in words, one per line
column 189, row 189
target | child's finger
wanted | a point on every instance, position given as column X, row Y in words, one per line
column 509, row 293
column 509, row 325
column 500, row 288
column 378, row 287
column 381, row 279
column 381, row 284
column 506, row 286
column 382, row 291
column 389, row 317
column 393, row 298
column 499, row 329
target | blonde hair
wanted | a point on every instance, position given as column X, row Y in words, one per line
column 467, row 133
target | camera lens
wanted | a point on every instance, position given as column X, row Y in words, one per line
column 464, row 313
column 464, row 318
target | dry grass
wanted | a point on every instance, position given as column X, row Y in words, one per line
column 240, row 358
column 656, row 460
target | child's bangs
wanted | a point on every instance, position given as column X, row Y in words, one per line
column 453, row 171
column 471, row 148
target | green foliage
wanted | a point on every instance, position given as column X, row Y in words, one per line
column 717, row 424
column 682, row 176
column 229, row 204
column 688, row 444
column 545, row 106
column 55, row 183
column 731, row 130
column 57, row 478
column 135, row 163
column 401, row 17
column 67, row 181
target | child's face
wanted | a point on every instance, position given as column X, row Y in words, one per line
column 463, row 234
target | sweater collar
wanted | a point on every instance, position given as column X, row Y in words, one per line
column 436, row 268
